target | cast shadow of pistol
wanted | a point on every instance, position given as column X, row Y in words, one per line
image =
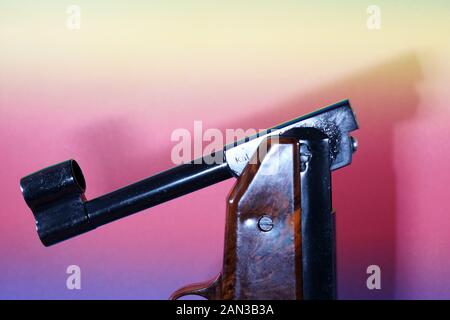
column 383, row 96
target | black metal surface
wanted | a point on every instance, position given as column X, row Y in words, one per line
column 336, row 121
column 318, row 239
column 56, row 197
column 56, row 194
column 152, row 191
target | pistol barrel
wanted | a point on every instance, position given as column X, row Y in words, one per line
column 56, row 194
column 164, row 186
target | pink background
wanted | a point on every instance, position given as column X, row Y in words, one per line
column 110, row 94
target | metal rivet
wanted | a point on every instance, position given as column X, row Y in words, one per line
column 354, row 144
column 265, row 223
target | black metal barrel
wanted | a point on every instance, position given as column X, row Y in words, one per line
column 56, row 196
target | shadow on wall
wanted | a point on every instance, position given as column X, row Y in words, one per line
column 364, row 195
column 115, row 154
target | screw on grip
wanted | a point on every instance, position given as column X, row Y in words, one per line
column 55, row 195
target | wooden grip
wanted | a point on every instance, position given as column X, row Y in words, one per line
column 263, row 249
column 210, row 290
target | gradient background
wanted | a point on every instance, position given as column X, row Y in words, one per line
column 111, row 93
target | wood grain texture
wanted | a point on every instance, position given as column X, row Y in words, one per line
column 262, row 258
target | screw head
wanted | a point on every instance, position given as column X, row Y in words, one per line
column 265, row 223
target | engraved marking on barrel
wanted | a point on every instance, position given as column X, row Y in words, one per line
column 265, row 223
column 243, row 158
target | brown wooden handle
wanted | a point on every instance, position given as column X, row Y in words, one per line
column 209, row 289
column 263, row 233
